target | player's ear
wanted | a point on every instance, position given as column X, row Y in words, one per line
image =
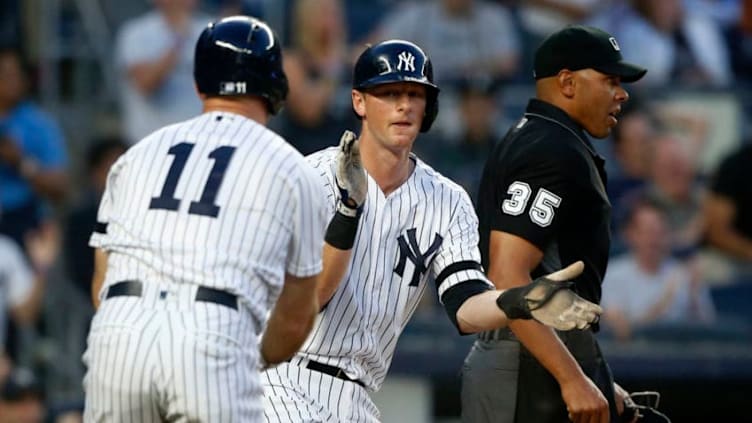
column 359, row 103
column 566, row 81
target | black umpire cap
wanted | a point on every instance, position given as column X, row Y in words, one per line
column 580, row 47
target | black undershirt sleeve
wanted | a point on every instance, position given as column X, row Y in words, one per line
column 455, row 296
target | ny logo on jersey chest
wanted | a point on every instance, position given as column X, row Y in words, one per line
column 410, row 250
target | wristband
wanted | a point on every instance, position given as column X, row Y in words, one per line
column 342, row 230
column 513, row 303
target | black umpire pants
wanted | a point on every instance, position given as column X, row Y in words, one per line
column 503, row 383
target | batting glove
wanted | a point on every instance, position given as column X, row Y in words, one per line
column 550, row 301
column 350, row 176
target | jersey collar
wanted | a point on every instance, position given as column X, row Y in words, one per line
column 550, row 112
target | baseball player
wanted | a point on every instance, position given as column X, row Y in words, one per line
column 543, row 202
column 203, row 226
column 410, row 229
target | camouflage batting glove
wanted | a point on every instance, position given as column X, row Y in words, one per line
column 550, row 301
column 350, row 176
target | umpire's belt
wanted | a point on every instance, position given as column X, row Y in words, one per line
column 134, row 288
column 331, row 371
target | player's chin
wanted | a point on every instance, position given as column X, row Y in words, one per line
column 404, row 134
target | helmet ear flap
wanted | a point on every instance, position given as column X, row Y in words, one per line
column 432, row 110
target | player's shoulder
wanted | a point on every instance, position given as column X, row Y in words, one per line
column 327, row 156
column 158, row 136
column 429, row 178
column 290, row 163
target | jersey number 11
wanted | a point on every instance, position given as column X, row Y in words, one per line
column 205, row 205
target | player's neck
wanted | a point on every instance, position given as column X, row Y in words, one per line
column 390, row 169
column 249, row 107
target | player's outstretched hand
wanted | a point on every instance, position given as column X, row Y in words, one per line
column 550, row 301
column 351, row 177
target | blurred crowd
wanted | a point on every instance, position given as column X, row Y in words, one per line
column 680, row 159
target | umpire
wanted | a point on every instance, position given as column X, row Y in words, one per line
column 543, row 205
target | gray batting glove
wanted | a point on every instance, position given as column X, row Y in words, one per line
column 550, row 301
column 351, row 177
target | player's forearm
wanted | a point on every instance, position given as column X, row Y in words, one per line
column 97, row 280
column 291, row 319
column 336, row 263
column 285, row 335
column 480, row 312
column 547, row 348
column 342, row 229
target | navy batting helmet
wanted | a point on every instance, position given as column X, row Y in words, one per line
column 398, row 61
column 240, row 55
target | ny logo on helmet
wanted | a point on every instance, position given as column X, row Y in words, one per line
column 406, row 62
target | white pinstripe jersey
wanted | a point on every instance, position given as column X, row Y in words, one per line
column 218, row 201
column 428, row 222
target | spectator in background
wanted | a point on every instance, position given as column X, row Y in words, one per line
column 154, row 53
column 462, row 156
column 672, row 187
column 629, row 173
column 6, row 366
column 318, row 106
column 677, row 44
column 632, row 144
column 542, row 17
column 79, row 257
column 724, row 12
column 646, row 286
column 740, row 43
column 10, row 22
column 22, row 285
column 464, row 37
column 33, row 156
column 236, row 7
column 728, row 209
column 22, row 398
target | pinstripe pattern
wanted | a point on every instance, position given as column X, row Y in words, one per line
column 359, row 328
column 163, row 355
column 296, row 394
